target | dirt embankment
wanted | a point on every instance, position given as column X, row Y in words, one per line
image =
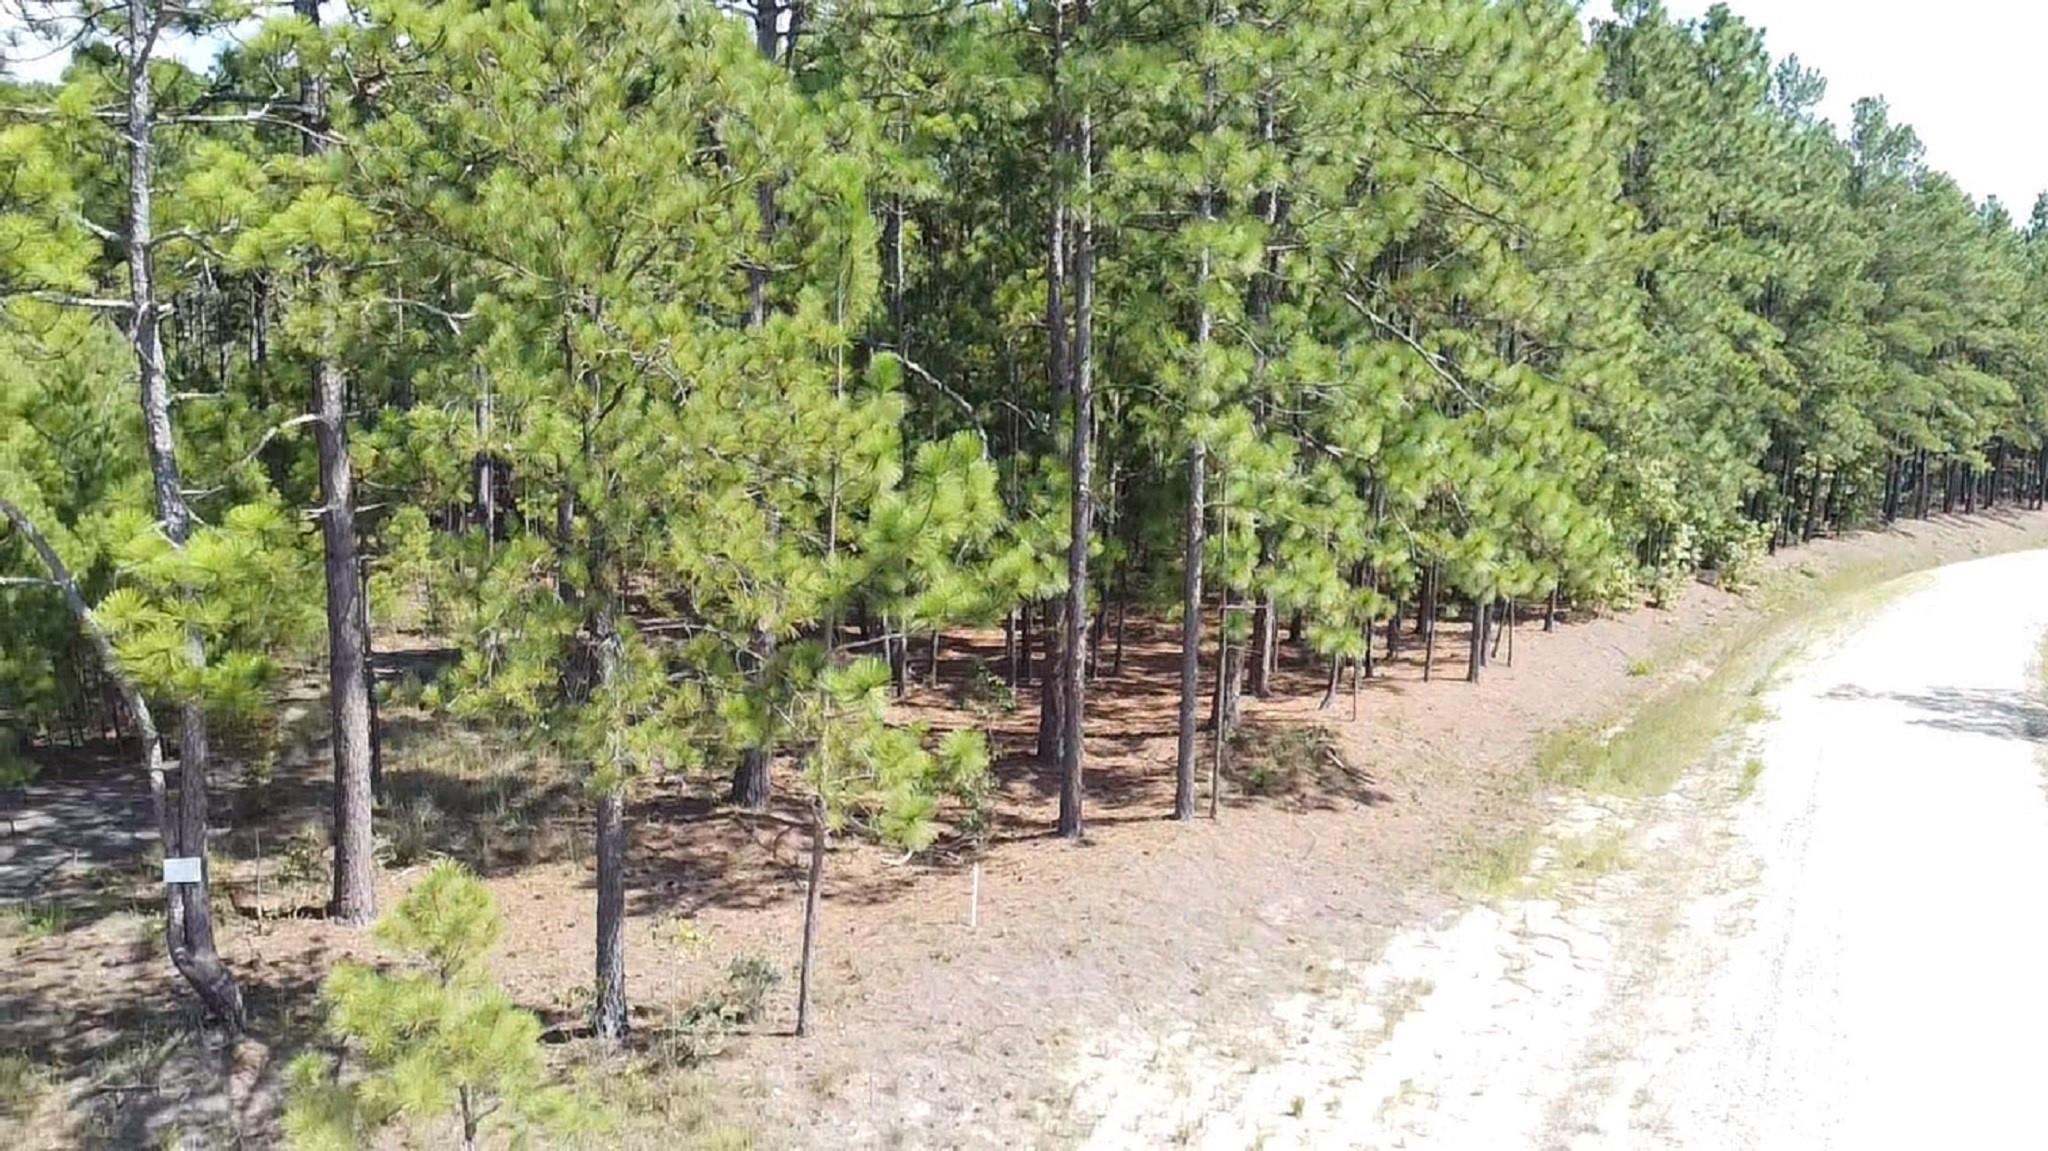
column 929, row 1031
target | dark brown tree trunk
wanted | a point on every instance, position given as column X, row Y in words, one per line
column 354, row 899
column 1024, row 670
column 812, row 888
column 1191, row 630
column 609, row 1016
column 377, row 795
column 1123, row 611
column 348, row 652
column 750, row 784
column 1052, row 694
column 1428, row 647
column 1482, row 610
column 1010, row 647
column 1265, row 633
column 1074, row 674
column 1816, row 494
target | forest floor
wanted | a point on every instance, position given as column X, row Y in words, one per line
column 1085, row 969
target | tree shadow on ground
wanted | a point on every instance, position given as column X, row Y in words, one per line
column 139, row 1063
column 1999, row 712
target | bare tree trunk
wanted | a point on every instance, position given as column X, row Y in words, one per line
column 370, row 691
column 1023, row 644
column 1052, row 695
column 1072, row 752
column 811, row 889
column 1195, row 538
column 1264, row 632
column 750, row 781
column 1481, row 612
column 609, row 1017
column 1191, row 632
column 189, row 934
column 1010, row 646
column 348, row 642
column 751, row 785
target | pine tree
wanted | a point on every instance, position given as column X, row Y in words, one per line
column 434, row 1043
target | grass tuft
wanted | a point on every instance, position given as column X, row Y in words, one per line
column 1495, row 869
column 1752, row 769
column 32, row 921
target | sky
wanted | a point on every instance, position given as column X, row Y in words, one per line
column 1967, row 75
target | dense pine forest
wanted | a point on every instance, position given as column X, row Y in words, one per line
column 690, row 370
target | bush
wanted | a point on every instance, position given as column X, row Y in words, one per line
column 700, row 1031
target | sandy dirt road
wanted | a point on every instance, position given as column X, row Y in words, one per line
column 1847, row 948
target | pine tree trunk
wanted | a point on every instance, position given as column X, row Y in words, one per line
column 1073, row 715
column 354, row 899
column 1191, row 631
column 750, row 785
column 1481, row 611
column 1123, row 611
column 1815, row 500
column 1051, row 693
column 189, row 932
column 1010, row 646
column 1024, row 670
column 377, row 795
column 1264, row 636
column 609, row 1017
column 811, row 896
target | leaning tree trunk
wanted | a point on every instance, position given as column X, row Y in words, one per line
column 348, row 640
column 190, row 905
column 810, row 940
column 211, row 980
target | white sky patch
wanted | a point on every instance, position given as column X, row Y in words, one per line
column 1966, row 74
